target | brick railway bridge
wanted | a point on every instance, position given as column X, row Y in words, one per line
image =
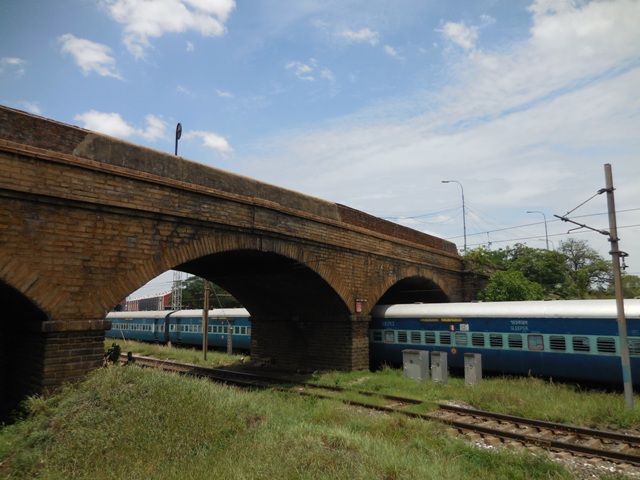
column 86, row 219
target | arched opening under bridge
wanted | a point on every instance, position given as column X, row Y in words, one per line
column 17, row 311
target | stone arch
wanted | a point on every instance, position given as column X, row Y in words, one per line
column 270, row 284
column 415, row 289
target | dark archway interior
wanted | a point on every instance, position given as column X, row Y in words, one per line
column 269, row 284
column 414, row 290
column 17, row 310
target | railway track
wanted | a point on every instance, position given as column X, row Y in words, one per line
column 491, row 428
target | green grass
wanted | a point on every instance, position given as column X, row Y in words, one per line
column 215, row 358
column 521, row 396
column 126, row 422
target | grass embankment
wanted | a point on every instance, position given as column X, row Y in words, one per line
column 126, row 422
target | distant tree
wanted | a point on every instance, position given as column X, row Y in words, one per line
column 630, row 286
column 193, row 295
column 544, row 267
column 484, row 261
column 511, row 285
column 588, row 272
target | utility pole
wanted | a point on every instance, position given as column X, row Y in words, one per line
column 205, row 320
column 616, row 254
column 617, row 283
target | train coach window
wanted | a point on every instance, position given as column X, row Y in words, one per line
column 477, row 339
column 416, row 337
column 495, row 340
column 430, row 338
column 515, row 340
column 634, row 347
column 535, row 342
column 581, row 344
column 389, row 336
column 377, row 336
column 461, row 339
column 557, row 342
column 606, row 345
column 445, row 338
column 402, row 337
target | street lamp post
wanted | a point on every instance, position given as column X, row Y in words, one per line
column 464, row 215
column 546, row 233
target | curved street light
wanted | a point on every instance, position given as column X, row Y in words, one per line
column 464, row 220
column 546, row 234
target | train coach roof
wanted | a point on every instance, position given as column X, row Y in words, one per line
column 531, row 309
column 215, row 313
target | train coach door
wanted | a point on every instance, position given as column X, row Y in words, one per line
column 167, row 327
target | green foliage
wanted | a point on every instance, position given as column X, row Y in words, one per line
column 587, row 270
column 511, row 285
column 575, row 270
column 193, row 295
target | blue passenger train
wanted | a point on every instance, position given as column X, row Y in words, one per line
column 183, row 327
column 565, row 339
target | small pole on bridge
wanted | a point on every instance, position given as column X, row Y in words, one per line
column 178, row 135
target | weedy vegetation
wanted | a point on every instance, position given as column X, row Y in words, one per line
column 127, row 422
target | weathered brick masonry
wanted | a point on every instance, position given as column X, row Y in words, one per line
column 86, row 219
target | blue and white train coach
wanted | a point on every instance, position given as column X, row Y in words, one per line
column 183, row 327
column 570, row 339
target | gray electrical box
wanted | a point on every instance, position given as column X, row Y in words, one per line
column 416, row 364
column 439, row 371
column 472, row 368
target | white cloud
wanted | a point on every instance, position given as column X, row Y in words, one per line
column 32, row 107
column 90, row 56
column 363, row 35
column 224, row 93
column 108, row 123
column 302, row 70
column 527, row 125
column 114, row 125
column 310, row 71
column 460, row 34
column 389, row 50
column 155, row 128
column 212, row 141
column 14, row 64
column 143, row 19
column 191, row 47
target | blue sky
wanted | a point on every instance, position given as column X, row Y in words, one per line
column 366, row 103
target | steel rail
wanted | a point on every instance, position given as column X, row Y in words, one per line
column 540, row 439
